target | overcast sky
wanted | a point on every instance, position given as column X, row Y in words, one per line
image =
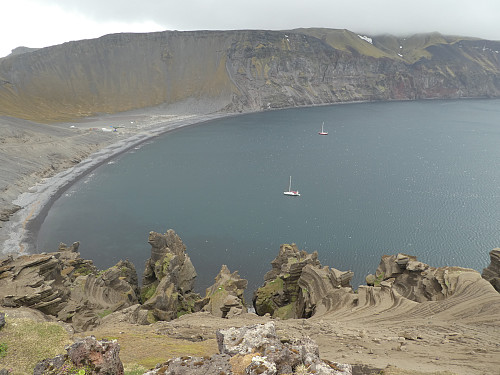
column 41, row 23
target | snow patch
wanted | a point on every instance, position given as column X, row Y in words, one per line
column 367, row 39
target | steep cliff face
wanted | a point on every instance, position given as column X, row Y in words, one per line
column 111, row 74
column 243, row 70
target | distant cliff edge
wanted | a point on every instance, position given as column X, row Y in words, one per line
column 246, row 70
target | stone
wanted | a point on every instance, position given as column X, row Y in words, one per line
column 217, row 364
column 261, row 366
column 260, row 349
column 409, row 335
column 101, row 357
column 2, row 320
column 370, row 280
column 244, row 340
column 492, row 272
column 52, row 364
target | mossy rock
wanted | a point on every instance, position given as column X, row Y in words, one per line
column 263, row 300
column 147, row 292
column 285, row 312
column 151, row 317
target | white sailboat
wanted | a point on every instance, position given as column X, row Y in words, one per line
column 322, row 132
column 293, row 193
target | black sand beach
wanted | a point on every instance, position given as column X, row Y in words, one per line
column 102, row 137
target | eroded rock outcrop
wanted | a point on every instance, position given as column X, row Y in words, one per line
column 404, row 289
column 64, row 285
column 298, row 286
column 40, row 281
column 168, row 280
column 225, row 298
column 88, row 355
column 492, row 272
column 256, row 349
column 95, row 296
column 418, row 281
column 168, row 283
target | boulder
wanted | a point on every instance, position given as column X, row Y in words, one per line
column 245, row 340
column 225, row 298
column 89, row 355
column 256, row 350
column 492, row 272
column 298, row 285
column 187, row 365
column 168, row 279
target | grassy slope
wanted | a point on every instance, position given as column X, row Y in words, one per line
column 28, row 342
column 346, row 40
column 141, row 347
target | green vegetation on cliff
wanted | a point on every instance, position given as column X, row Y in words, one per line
column 247, row 70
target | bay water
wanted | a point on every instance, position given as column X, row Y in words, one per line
column 419, row 177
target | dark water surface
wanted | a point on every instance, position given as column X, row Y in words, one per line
column 416, row 177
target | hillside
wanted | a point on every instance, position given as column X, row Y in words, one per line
column 244, row 70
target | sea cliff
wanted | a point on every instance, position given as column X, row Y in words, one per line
column 246, row 70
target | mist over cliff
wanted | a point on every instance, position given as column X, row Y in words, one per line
column 243, row 70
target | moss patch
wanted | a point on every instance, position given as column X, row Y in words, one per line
column 285, row 312
column 104, row 313
column 148, row 292
column 166, row 262
column 379, row 279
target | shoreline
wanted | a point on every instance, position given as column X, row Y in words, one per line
column 20, row 231
column 18, row 234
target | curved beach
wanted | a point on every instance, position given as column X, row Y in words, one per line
column 119, row 133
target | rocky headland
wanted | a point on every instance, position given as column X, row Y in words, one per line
column 408, row 310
